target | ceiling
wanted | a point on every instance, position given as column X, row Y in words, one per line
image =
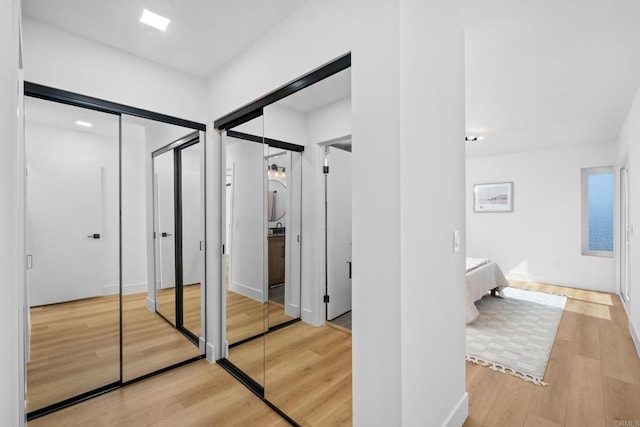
column 548, row 73
column 539, row 74
column 328, row 91
column 202, row 34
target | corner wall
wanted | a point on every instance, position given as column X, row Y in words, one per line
column 541, row 239
column 11, row 219
column 629, row 144
column 396, row 373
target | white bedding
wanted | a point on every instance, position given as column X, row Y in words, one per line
column 483, row 276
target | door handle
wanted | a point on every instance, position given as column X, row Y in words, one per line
column 94, row 236
column 166, row 234
column 348, row 270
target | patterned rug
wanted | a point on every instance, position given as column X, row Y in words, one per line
column 515, row 334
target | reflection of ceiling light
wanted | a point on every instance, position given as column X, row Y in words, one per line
column 473, row 138
column 154, row 20
column 84, row 124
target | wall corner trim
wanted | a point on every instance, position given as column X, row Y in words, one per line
column 459, row 413
column 211, row 353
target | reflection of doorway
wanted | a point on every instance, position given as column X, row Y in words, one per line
column 178, row 235
column 624, row 232
column 337, row 173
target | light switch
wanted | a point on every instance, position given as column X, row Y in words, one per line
column 456, row 241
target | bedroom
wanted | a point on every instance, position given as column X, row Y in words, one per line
column 542, row 106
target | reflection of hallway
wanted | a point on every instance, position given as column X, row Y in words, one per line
column 75, row 346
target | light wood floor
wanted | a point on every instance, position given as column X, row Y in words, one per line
column 246, row 317
column 593, row 372
column 198, row 394
column 594, row 376
column 75, row 346
column 191, row 306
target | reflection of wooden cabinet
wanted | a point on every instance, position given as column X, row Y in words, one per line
column 276, row 260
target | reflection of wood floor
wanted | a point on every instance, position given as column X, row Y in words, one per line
column 199, row 394
column 246, row 317
column 308, row 374
column 191, row 306
column 75, row 346
column 317, row 390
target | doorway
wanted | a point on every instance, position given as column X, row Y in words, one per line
column 338, row 262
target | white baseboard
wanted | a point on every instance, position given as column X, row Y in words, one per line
column 210, row 353
column 309, row 316
column 528, row 277
column 459, row 413
column 127, row 289
column 246, row 291
column 635, row 335
column 151, row 305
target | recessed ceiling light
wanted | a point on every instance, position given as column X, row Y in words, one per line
column 154, row 20
column 84, row 124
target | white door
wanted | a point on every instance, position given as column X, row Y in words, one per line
column 64, row 222
column 624, row 232
column 165, row 224
column 338, row 232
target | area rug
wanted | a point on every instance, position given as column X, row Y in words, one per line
column 515, row 334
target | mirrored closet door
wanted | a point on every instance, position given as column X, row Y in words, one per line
column 245, row 265
column 153, row 183
column 72, row 157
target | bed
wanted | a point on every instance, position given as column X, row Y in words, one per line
column 483, row 276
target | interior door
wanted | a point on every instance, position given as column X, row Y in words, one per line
column 338, row 202
column 65, row 229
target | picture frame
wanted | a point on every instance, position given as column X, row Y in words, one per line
column 493, row 197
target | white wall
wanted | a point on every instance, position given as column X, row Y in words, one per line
column 329, row 122
column 11, row 220
column 541, row 239
column 62, row 60
column 629, row 144
column 386, row 334
column 248, row 218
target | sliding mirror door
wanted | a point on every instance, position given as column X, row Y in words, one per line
column 244, row 260
column 72, row 157
column 152, row 335
column 306, row 363
column 191, row 244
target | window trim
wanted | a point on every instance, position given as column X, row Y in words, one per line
column 584, row 188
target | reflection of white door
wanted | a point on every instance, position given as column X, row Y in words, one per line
column 165, row 235
column 624, row 232
column 64, row 208
column 339, row 233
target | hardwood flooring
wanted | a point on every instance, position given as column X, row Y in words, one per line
column 593, row 372
column 191, row 306
column 75, row 346
column 198, row 394
column 247, row 317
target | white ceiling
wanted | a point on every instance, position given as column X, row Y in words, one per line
column 326, row 92
column 545, row 73
column 539, row 73
column 202, row 35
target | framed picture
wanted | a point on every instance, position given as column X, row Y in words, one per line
column 496, row 197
